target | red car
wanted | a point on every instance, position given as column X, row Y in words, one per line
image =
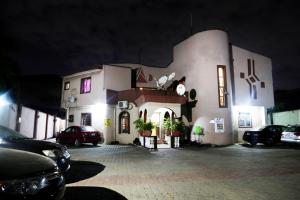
column 79, row 134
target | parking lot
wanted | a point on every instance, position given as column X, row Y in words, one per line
column 192, row 172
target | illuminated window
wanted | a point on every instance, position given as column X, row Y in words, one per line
column 85, row 86
column 67, row 85
column 124, row 122
column 222, row 87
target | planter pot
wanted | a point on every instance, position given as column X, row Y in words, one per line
column 176, row 133
column 141, row 133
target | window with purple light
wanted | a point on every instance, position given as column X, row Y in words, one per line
column 85, row 86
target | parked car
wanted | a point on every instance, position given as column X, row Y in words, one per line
column 291, row 134
column 26, row 175
column 12, row 139
column 267, row 135
column 79, row 134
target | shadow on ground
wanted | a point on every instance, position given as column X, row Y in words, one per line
column 95, row 193
column 81, row 170
column 276, row 146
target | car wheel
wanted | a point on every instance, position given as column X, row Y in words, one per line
column 95, row 143
column 253, row 143
column 269, row 142
column 77, row 143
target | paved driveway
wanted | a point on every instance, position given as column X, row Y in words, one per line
column 234, row 172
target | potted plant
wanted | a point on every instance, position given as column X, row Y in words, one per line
column 168, row 126
column 139, row 125
column 178, row 128
column 148, row 126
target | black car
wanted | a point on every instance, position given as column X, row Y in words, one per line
column 12, row 139
column 26, row 175
column 267, row 135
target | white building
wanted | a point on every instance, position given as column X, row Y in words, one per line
column 234, row 88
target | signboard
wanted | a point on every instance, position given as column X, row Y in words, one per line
column 107, row 123
column 219, row 125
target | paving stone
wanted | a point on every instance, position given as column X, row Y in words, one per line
column 233, row 172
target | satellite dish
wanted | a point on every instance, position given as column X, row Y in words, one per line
column 162, row 80
column 180, row 89
column 171, row 76
column 193, row 94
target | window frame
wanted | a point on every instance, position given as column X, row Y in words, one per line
column 82, row 85
column 67, row 83
column 225, row 99
column 121, row 121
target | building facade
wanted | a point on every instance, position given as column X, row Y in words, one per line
column 226, row 90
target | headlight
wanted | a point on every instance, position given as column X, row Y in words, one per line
column 29, row 186
column 51, row 153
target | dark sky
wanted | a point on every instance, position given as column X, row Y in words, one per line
column 57, row 36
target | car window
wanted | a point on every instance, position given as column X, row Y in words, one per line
column 87, row 128
column 68, row 130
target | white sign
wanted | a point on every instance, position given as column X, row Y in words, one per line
column 219, row 125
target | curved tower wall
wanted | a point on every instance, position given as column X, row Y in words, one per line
column 197, row 58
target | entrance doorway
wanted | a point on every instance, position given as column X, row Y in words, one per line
column 158, row 117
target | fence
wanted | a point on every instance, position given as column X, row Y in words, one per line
column 287, row 117
column 31, row 123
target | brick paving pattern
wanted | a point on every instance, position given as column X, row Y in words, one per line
column 233, row 172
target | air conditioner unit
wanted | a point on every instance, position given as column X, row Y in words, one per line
column 72, row 99
column 122, row 104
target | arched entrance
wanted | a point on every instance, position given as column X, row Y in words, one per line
column 158, row 117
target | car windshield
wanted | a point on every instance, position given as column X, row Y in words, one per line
column 87, row 128
column 9, row 134
column 261, row 128
column 293, row 129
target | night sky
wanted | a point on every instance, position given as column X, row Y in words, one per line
column 59, row 36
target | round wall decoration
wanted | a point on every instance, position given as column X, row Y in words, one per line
column 180, row 89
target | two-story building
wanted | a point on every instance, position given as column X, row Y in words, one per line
column 223, row 89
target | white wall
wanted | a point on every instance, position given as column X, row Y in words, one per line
column 41, row 126
column 125, row 138
column 97, row 91
column 98, row 114
column 197, row 58
column 258, row 118
column 27, row 122
column 117, row 78
column 8, row 114
column 50, row 126
column 287, row 118
column 263, row 70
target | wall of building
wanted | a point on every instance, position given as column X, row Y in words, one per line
column 197, row 58
column 263, row 71
column 97, row 91
column 117, row 78
column 125, row 138
column 258, row 119
column 287, row 118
